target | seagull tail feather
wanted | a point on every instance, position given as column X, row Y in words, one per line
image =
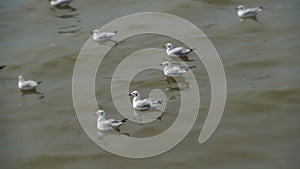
column 157, row 103
column 124, row 120
column 191, row 67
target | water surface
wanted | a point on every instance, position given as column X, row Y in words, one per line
column 260, row 125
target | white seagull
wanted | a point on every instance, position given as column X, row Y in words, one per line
column 178, row 51
column 246, row 13
column 173, row 71
column 103, row 36
column 60, row 3
column 144, row 104
column 109, row 124
column 28, row 84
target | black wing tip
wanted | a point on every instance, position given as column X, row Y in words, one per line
column 39, row 82
column 159, row 102
column 3, row 66
column 261, row 7
column 124, row 120
column 192, row 67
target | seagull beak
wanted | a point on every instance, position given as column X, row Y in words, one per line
column 92, row 32
column 161, row 64
column 164, row 46
column 236, row 8
column 129, row 94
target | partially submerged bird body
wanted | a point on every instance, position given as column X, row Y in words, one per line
column 178, row 51
column 246, row 13
column 109, row 124
column 145, row 104
column 173, row 71
column 60, row 3
column 103, row 36
column 28, row 84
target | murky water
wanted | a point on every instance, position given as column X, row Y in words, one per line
column 260, row 125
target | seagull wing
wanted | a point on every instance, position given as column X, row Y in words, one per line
column 106, row 35
column 178, row 51
column 181, row 51
column 114, row 123
column 105, row 125
column 143, row 104
column 175, row 71
column 29, row 84
column 251, row 11
column 62, row 2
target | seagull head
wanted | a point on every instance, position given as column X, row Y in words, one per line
column 168, row 46
column 95, row 31
column 100, row 113
column 21, row 78
column 165, row 64
column 53, row 2
column 134, row 94
column 240, row 7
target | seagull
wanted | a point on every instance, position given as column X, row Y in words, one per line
column 145, row 104
column 102, row 36
column 109, row 124
column 27, row 85
column 60, row 3
column 178, row 51
column 247, row 13
column 173, row 71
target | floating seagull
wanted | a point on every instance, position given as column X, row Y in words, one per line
column 145, row 104
column 110, row 124
column 178, row 51
column 27, row 85
column 60, row 3
column 173, row 71
column 102, row 36
column 247, row 13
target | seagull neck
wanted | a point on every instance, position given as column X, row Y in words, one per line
column 136, row 98
column 101, row 118
column 167, row 67
column 95, row 35
column 168, row 49
column 21, row 80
